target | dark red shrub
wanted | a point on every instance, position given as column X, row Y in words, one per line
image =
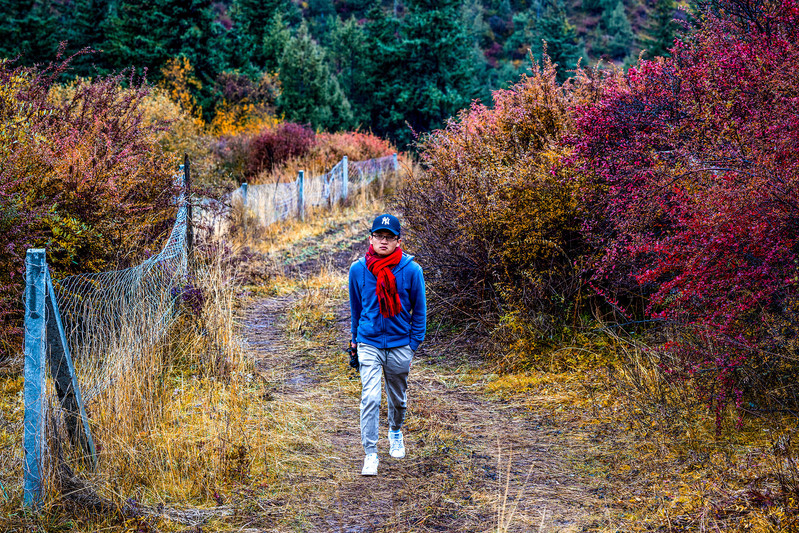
column 694, row 173
column 274, row 146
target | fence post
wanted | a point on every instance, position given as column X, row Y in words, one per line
column 345, row 178
column 396, row 162
column 64, row 378
column 187, row 199
column 301, row 195
column 35, row 265
column 244, row 206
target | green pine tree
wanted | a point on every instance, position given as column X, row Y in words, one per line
column 663, row 29
column 253, row 22
column 598, row 6
column 310, row 94
column 30, row 29
column 423, row 69
column 174, row 28
column 478, row 32
column 524, row 33
column 350, row 62
column 321, row 17
column 276, row 38
column 562, row 45
column 619, row 33
column 84, row 27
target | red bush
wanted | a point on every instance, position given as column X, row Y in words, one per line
column 694, row 168
column 274, row 146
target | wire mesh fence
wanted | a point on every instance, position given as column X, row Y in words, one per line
column 268, row 203
column 83, row 334
column 108, row 314
column 87, row 335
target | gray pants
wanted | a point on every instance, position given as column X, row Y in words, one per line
column 394, row 364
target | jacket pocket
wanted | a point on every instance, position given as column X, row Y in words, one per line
column 397, row 326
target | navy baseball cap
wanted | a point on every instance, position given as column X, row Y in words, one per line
column 387, row 222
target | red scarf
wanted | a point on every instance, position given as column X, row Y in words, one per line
column 387, row 295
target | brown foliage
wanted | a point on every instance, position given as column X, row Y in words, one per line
column 494, row 214
column 83, row 175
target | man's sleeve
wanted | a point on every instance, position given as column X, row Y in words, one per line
column 419, row 312
column 355, row 303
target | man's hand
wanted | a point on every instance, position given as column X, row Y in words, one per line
column 353, row 351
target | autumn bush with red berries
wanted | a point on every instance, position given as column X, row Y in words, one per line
column 694, row 176
column 664, row 196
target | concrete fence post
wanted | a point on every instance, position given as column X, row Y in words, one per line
column 395, row 162
column 187, row 199
column 244, row 206
column 35, row 362
column 301, row 195
column 345, row 178
column 65, row 379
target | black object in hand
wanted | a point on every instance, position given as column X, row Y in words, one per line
column 354, row 357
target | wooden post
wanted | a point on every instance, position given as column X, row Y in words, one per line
column 187, row 199
column 345, row 178
column 301, row 195
column 33, row 438
column 62, row 371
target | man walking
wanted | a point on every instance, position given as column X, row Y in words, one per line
column 389, row 319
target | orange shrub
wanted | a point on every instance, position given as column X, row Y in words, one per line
column 494, row 216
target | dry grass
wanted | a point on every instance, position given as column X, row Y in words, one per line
column 231, row 439
column 183, row 427
column 653, row 451
column 448, row 483
column 646, row 448
column 439, row 485
column 201, row 432
column 508, row 502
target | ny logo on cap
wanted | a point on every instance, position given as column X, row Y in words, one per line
column 386, row 220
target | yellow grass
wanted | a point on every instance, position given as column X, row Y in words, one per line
column 654, row 450
column 190, row 421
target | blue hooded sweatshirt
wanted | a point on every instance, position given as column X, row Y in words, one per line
column 369, row 326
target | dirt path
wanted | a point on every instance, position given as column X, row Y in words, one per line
column 452, row 478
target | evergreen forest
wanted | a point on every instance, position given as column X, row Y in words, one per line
column 395, row 68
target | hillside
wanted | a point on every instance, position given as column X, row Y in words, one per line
column 393, row 67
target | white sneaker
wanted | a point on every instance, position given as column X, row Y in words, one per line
column 370, row 465
column 396, row 444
